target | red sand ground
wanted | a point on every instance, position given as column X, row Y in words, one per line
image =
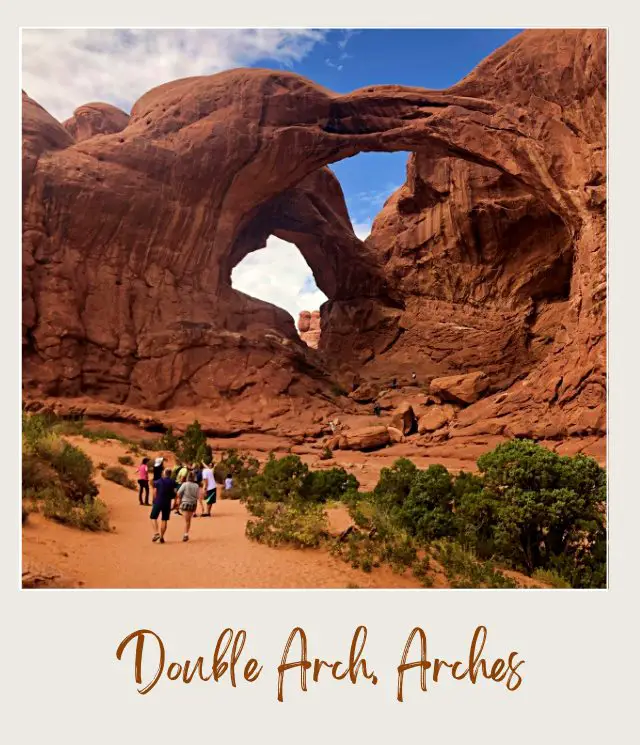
column 218, row 554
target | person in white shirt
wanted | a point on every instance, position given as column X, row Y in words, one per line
column 209, row 488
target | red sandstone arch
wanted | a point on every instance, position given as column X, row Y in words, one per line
column 130, row 237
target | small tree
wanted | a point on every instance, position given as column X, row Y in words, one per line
column 193, row 447
column 395, row 483
column 427, row 511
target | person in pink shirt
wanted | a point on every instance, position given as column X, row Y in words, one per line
column 143, row 481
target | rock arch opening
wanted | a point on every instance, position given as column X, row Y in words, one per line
column 278, row 274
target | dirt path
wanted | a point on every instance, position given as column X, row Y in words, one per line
column 218, row 554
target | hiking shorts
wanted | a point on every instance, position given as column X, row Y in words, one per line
column 188, row 506
column 211, row 497
column 160, row 509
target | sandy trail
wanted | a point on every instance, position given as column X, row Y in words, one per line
column 218, row 554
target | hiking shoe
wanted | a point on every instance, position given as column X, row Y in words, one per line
column 161, row 540
column 185, row 538
column 156, row 537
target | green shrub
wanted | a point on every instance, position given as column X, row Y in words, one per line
column 329, row 484
column 465, row 570
column 125, row 460
column 326, row 453
column 542, row 510
column 73, row 468
column 59, row 475
column 427, row 511
column 37, row 475
column 301, row 526
column 243, row 468
column 89, row 514
column 118, row 475
column 394, row 484
column 281, row 480
column 193, row 447
column 169, row 441
column 70, row 427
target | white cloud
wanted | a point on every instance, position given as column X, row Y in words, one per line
column 362, row 229
column 64, row 68
column 279, row 275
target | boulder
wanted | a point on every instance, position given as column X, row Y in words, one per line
column 462, row 389
column 395, row 435
column 435, row 417
column 365, row 393
column 404, row 419
column 367, row 438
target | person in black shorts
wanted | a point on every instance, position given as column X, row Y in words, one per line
column 164, row 496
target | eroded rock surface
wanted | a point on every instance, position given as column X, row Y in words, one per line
column 491, row 256
column 309, row 327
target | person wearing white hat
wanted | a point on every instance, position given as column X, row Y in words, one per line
column 157, row 468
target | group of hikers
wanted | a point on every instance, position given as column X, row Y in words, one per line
column 180, row 489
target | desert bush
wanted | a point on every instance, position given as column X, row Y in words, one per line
column 193, row 447
column 37, row 475
column 281, row 479
column 465, row 570
column 326, row 453
column 50, row 455
column 421, row 569
column 551, row 578
column 538, row 509
column 70, row 427
column 88, row 514
column 169, row 441
column 394, row 484
column 125, row 460
column 427, row 511
column 302, row 526
column 59, row 476
column 329, row 484
column 243, row 468
column 118, row 475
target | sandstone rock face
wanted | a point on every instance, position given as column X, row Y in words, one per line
column 491, row 256
column 460, row 389
column 309, row 327
column 94, row 119
column 367, row 438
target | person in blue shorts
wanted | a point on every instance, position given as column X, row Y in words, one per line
column 163, row 499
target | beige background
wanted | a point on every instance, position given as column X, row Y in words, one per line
column 60, row 679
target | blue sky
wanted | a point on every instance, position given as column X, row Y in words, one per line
column 428, row 58
column 64, row 68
